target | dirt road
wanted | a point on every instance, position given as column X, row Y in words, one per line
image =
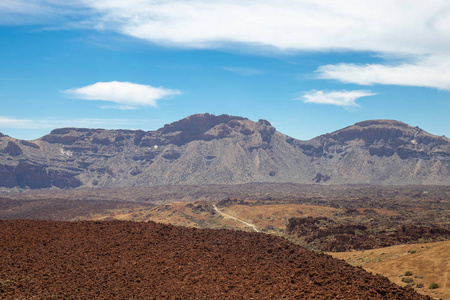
column 234, row 218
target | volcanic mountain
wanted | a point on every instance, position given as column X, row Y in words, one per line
column 209, row 149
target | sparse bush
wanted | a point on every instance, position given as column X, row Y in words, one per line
column 412, row 251
column 419, row 285
column 433, row 286
column 407, row 280
column 408, row 273
column 418, row 277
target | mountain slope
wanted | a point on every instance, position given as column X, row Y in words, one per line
column 381, row 151
column 208, row 149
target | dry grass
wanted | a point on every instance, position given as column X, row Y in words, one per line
column 277, row 215
column 430, row 261
column 188, row 214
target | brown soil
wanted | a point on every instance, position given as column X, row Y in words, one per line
column 428, row 262
column 127, row 260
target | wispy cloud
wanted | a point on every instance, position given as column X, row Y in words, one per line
column 243, row 71
column 294, row 25
column 339, row 98
column 126, row 95
column 52, row 123
column 432, row 72
column 60, row 14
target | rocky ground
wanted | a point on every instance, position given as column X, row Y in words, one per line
column 136, row 260
column 325, row 234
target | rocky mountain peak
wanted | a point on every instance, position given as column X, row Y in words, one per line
column 70, row 136
column 198, row 123
column 381, row 123
column 385, row 138
column 389, row 131
column 207, row 127
column 204, row 127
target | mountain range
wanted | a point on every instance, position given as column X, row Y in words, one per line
column 209, row 149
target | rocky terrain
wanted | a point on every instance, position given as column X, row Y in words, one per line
column 319, row 217
column 127, row 260
column 325, row 234
column 209, row 149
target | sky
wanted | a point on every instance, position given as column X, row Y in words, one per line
column 308, row 66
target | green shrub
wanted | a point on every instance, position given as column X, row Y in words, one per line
column 407, row 279
column 408, row 273
column 433, row 285
column 419, row 285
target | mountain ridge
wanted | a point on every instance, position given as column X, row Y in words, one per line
column 209, row 149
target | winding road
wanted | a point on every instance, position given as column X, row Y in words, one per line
column 234, row 218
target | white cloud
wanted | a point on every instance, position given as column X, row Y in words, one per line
column 433, row 72
column 127, row 95
column 243, row 71
column 121, row 107
column 374, row 25
column 339, row 98
column 417, row 29
column 378, row 25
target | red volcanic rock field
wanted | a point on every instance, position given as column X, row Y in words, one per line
column 129, row 260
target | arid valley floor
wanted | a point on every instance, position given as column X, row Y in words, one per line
column 386, row 230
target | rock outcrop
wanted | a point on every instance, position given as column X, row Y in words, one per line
column 209, row 149
column 12, row 149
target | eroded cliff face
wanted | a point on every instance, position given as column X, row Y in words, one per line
column 381, row 138
column 382, row 151
column 208, row 149
column 386, row 137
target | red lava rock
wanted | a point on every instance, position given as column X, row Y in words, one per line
column 328, row 235
column 127, row 260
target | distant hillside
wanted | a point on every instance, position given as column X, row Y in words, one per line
column 209, row 149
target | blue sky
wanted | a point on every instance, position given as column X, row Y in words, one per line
column 309, row 67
